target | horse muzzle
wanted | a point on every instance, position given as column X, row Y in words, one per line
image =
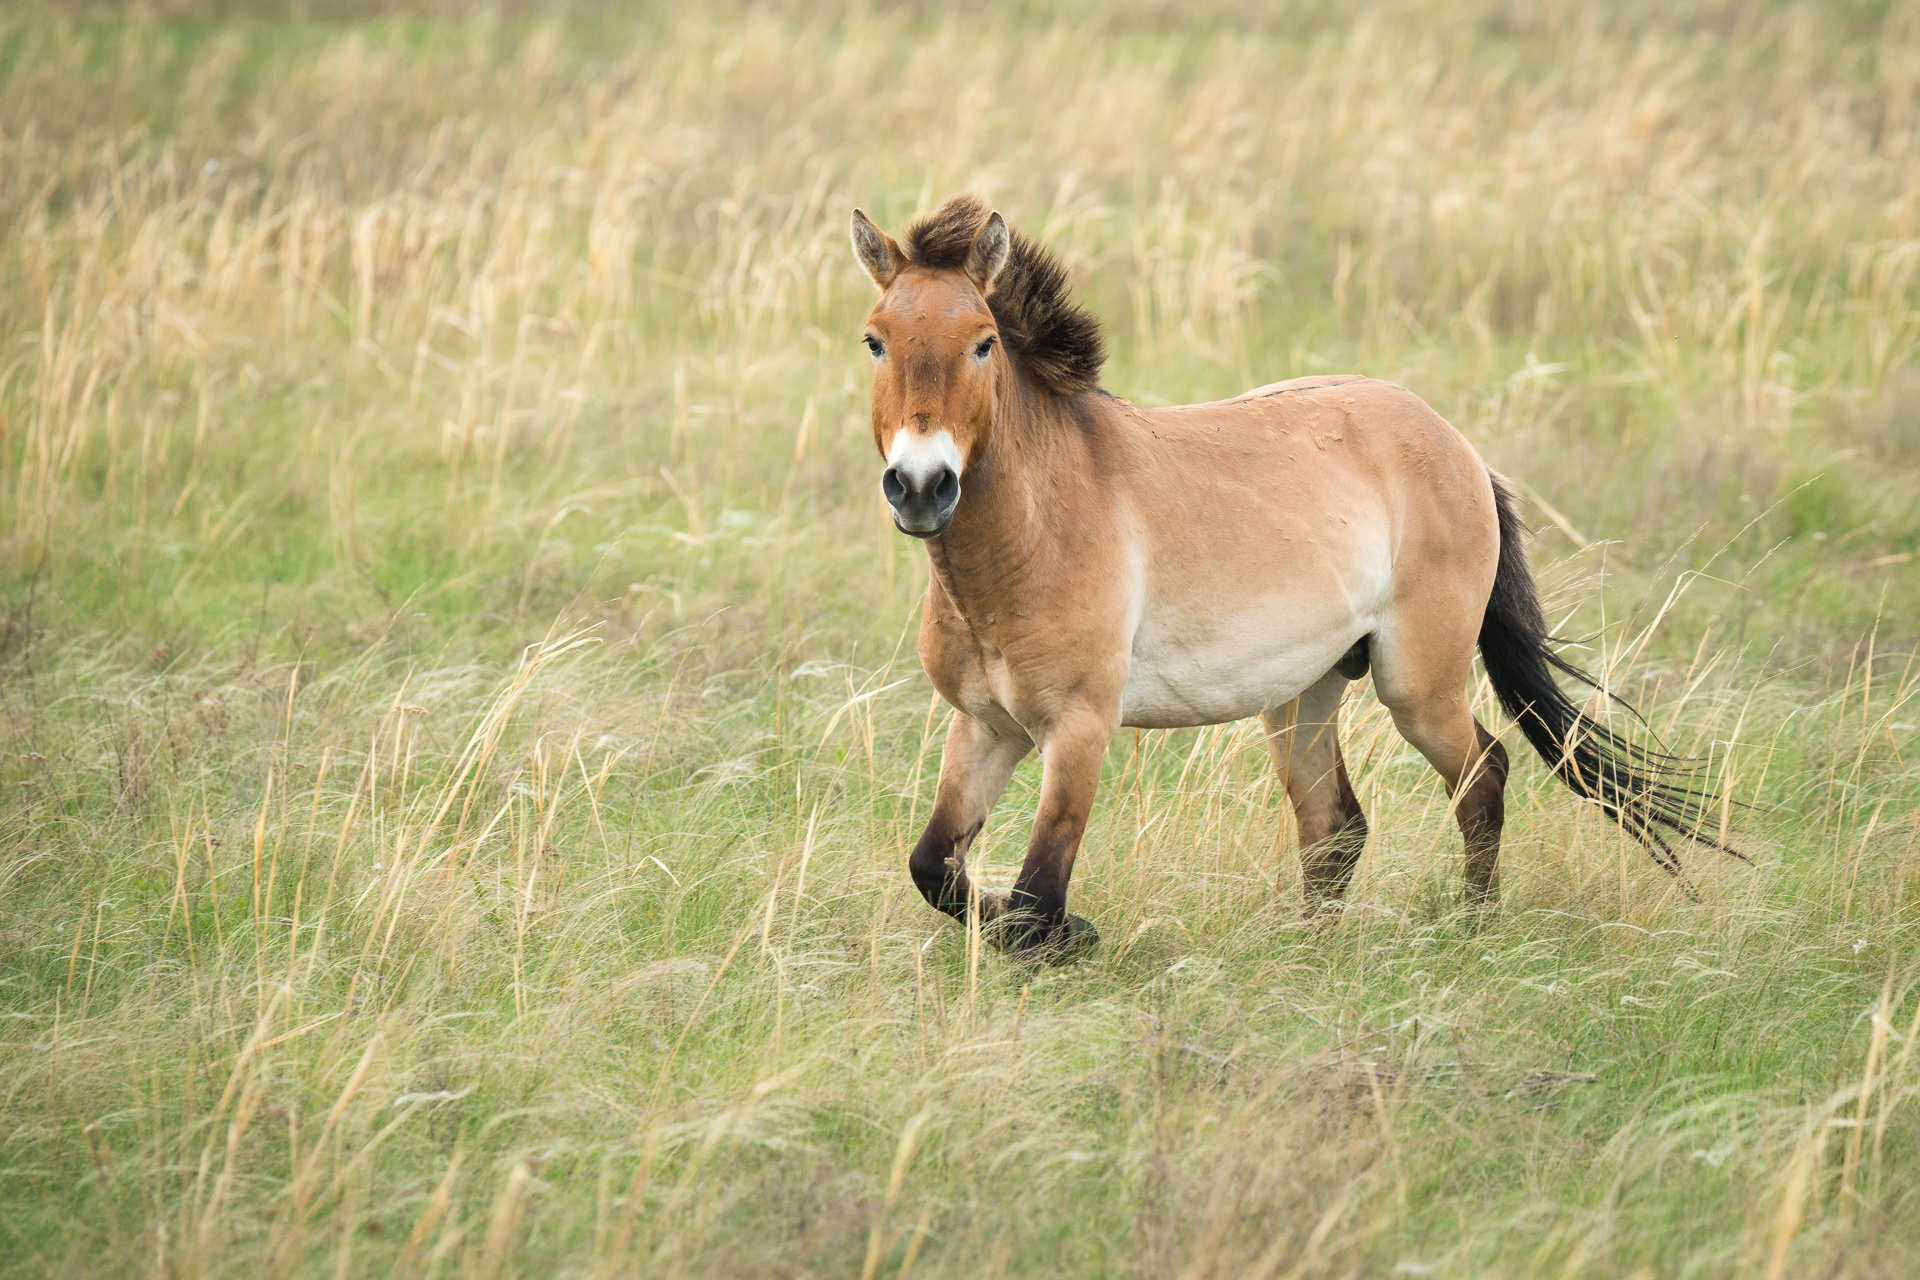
column 922, row 505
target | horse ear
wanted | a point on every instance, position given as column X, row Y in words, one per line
column 877, row 252
column 989, row 252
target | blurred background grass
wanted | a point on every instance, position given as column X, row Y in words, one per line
column 461, row 725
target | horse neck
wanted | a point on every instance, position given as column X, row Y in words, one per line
column 1002, row 531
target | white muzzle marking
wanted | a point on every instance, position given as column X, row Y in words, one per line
column 919, row 458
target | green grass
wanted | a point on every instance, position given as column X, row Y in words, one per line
column 459, row 727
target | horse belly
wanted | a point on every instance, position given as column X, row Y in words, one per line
column 1229, row 668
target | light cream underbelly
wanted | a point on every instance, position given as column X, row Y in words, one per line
column 1235, row 662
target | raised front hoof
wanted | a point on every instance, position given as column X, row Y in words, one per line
column 1061, row 944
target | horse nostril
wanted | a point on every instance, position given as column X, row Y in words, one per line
column 893, row 487
column 946, row 490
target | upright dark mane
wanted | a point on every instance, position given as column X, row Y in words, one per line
column 1054, row 342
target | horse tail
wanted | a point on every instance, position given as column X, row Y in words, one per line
column 1652, row 795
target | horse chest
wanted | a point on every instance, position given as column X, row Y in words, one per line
column 973, row 675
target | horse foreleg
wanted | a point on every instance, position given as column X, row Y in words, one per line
column 1071, row 754
column 974, row 769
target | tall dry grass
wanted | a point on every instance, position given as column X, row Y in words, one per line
column 362, row 918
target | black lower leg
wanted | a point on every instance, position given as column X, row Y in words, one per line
column 1483, row 815
column 1326, row 865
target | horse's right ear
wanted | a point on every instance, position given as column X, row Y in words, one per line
column 877, row 252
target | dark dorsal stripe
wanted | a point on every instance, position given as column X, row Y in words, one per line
column 1053, row 341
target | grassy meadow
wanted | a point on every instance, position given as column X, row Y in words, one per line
column 460, row 733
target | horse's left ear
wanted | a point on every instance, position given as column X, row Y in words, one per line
column 989, row 252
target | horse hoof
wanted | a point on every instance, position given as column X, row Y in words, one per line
column 1323, row 911
column 1081, row 937
column 1059, row 945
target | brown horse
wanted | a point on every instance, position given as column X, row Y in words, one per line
column 1110, row 565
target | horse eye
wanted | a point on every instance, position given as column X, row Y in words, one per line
column 875, row 346
column 986, row 345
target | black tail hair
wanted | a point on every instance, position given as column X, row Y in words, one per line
column 1652, row 795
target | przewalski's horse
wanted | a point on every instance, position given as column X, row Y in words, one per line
column 1096, row 564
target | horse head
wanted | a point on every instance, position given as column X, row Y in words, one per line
column 937, row 360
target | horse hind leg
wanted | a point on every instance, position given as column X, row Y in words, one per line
column 1427, row 697
column 1304, row 738
column 1483, row 816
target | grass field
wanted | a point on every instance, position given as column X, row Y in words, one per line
column 461, row 733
